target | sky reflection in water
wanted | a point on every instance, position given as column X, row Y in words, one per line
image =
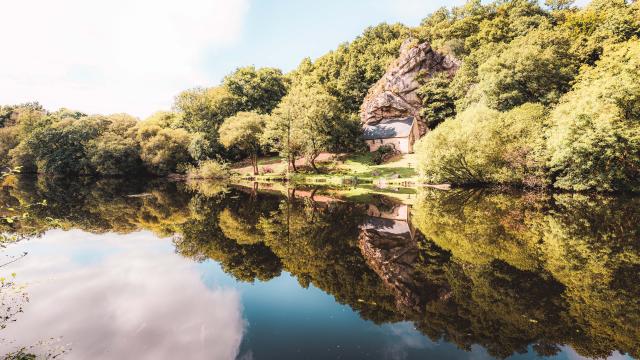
column 354, row 285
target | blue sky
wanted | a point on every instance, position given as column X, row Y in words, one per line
column 135, row 55
column 281, row 33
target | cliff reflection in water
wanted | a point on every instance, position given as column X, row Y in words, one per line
column 508, row 271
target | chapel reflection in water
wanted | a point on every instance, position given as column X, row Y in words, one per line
column 509, row 271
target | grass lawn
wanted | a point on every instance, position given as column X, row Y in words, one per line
column 335, row 170
column 362, row 167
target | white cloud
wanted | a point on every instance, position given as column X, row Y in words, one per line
column 121, row 297
column 110, row 56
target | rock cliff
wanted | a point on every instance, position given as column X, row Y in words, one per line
column 395, row 94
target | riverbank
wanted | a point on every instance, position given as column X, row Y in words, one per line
column 335, row 169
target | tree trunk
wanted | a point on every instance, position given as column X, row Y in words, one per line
column 293, row 164
column 254, row 162
column 254, row 191
column 312, row 161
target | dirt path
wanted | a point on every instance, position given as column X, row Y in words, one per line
column 278, row 165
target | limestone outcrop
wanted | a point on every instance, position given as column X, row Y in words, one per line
column 395, row 94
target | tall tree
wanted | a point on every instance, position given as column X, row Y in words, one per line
column 203, row 110
column 244, row 131
column 258, row 90
column 312, row 116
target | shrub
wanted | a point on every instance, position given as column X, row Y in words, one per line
column 163, row 149
column 209, row 169
column 382, row 153
column 482, row 145
column 114, row 155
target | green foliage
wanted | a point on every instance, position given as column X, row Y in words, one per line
column 509, row 271
column 447, row 29
column 577, row 64
column 538, row 67
column 114, row 155
column 347, row 73
column 559, row 4
column 116, row 152
column 514, row 53
column 258, row 90
column 244, row 131
column 199, row 147
column 378, row 156
column 594, row 140
column 60, row 148
column 162, row 150
column 437, row 102
column 10, row 114
column 204, row 110
column 8, row 141
column 600, row 24
column 209, row 169
column 482, row 145
column 310, row 116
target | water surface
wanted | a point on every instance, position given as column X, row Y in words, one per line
column 158, row 270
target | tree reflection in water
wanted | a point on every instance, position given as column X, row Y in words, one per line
column 504, row 270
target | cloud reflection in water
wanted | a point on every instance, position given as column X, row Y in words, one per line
column 117, row 296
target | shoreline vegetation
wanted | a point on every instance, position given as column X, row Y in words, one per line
column 546, row 97
column 509, row 272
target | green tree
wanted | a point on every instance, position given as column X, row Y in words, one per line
column 538, row 67
column 482, row 145
column 258, row 90
column 9, row 114
column 244, row 131
column 312, row 116
column 594, row 140
column 349, row 71
column 116, row 152
column 162, row 150
column 204, row 110
column 559, row 4
column 600, row 24
column 114, row 155
column 19, row 122
column 60, row 147
column 8, row 141
column 282, row 137
column 437, row 102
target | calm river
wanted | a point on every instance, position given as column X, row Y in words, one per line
column 158, row 270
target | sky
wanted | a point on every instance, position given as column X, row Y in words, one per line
column 134, row 56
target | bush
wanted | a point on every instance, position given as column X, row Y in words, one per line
column 163, row 149
column 114, row 155
column 482, row 145
column 382, row 154
column 8, row 141
column 209, row 169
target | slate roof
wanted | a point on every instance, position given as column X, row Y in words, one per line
column 388, row 128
